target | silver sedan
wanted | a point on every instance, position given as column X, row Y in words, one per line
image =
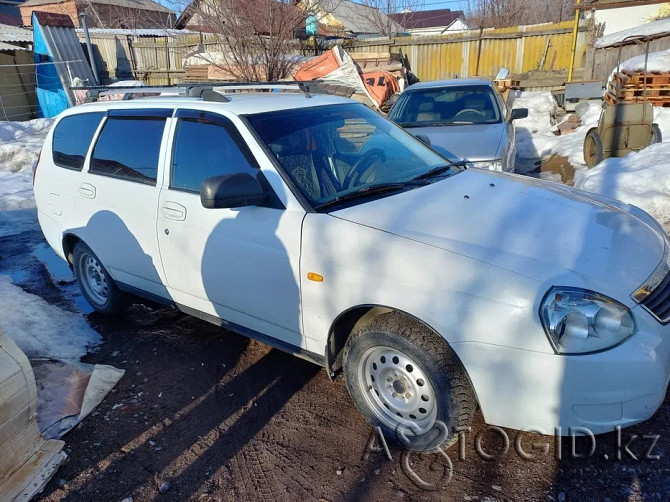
column 466, row 117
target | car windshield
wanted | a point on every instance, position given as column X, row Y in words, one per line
column 449, row 105
column 347, row 153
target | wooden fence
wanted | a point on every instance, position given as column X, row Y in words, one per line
column 154, row 60
column 542, row 47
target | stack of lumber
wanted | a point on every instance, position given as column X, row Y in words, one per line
column 505, row 85
column 638, row 86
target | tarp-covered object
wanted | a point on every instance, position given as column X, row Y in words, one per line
column 334, row 67
column 27, row 461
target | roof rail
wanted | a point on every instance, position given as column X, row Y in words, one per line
column 209, row 91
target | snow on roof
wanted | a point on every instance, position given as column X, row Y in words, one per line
column 141, row 32
column 653, row 28
column 14, row 34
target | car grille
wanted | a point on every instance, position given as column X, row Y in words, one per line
column 658, row 302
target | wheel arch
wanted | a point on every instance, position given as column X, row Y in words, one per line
column 70, row 240
column 349, row 321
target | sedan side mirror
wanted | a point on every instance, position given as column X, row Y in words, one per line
column 422, row 137
column 231, row 190
column 518, row 113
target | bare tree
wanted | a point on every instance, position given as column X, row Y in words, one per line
column 377, row 14
column 503, row 13
column 255, row 39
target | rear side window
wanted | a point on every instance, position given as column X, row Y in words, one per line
column 206, row 146
column 128, row 148
column 72, row 137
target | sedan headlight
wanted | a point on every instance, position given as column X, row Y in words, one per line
column 492, row 165
column 579, row 321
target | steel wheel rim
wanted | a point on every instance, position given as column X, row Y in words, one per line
column 397, row 390
column 93, row 278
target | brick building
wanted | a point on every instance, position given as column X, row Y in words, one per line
column 132, row 14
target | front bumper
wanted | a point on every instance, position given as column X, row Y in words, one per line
column 614, row 388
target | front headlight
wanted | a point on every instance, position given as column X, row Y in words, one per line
column 579, row 321
column 492, row 165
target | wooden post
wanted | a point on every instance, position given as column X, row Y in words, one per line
column 573, row 50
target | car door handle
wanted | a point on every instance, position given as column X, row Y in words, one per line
column 87, row 190
column 174, row 211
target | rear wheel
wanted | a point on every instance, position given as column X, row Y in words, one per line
column 656, row 136
column 406, row 380
column 95, row 283
column 593, row 148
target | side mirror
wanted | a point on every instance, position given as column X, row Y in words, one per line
column 423, row 138
column 518, row 113
column 231, row 190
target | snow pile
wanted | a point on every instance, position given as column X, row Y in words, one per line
column 535, row 138
column 638, row 178
column 41, row 329
column 20, row 144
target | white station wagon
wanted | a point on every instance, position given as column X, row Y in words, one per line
column 313, row 224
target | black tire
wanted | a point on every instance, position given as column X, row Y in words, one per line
column 454, row 403
column 593, row 148
column 104, row 296
column 656, row 135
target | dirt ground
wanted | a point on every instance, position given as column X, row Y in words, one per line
column 204, row 414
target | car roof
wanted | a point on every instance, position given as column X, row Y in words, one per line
column 239, row 104
column 460, row 82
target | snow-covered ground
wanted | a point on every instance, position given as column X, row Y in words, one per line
column 38, row 328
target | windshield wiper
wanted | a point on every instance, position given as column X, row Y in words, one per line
column 435, row 171
column 368, row 191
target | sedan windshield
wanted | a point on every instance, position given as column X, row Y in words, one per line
column 347, row 153
column 450, row 105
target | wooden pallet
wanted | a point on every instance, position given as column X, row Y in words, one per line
column 627, row 77
column 656, row 101
column 632, row 91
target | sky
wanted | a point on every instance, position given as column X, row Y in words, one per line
column 422, row 4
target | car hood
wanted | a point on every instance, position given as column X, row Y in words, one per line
column 469, row 142
column 535, row 228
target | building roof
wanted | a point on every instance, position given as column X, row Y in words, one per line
column 139, row 32
column 355, row 17
column 427, row 18
column 9, row 19
column 11, row 47
column 129, row 4
column 660, row 27
column 13, row 34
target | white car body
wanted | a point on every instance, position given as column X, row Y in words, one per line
column 471, row 256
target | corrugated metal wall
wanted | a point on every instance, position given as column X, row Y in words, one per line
column 541, row 47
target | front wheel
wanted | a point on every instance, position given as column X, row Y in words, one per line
column 406, row 380
column 95, row 283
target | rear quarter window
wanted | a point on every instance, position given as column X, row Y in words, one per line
column 128, row 148
column 72, row 138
